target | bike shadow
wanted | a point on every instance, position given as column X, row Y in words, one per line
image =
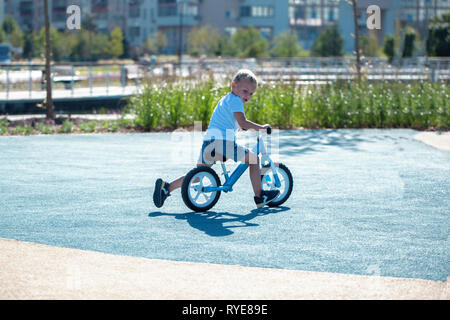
column 220, row 224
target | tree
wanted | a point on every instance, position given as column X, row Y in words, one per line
column 369, row 45
column 28, row 47
column 115, row 43
column 357, row 49
column 409, row 40
column 250, row 43
column 9, row 25
column 438, row 39
column 49, row 101
column 82, row 49
column 389, row 47
column 226, row 46
column 99, row 47
column 286, row 45
column 88, row 23
column 155, row 44
column 328, row 44
column 61, row 44
column 2, row 36
column 203, row 41
column 12, row 32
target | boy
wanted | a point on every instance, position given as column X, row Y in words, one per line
column 220, row 140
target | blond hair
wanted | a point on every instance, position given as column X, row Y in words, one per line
column 245, row 74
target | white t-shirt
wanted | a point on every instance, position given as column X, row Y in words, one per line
column 223, row 124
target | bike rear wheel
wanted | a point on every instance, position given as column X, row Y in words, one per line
column 192, row 189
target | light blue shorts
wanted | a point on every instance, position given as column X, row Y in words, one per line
column 221, row 150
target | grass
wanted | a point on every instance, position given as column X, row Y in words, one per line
column 170, row 105
column 418, row 105
column 64, row 126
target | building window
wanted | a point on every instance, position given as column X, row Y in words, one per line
column 99, row 5
column 134, row 32
column 230, row 30
column 245, row 11
column 257, row 11
column 189, row 9
column 134, row 9
column 26, row 9
column 167, row 8
column 298, row 13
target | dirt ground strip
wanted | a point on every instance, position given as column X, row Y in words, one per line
column 36, row 271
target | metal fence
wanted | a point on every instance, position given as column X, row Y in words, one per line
column 27, row 80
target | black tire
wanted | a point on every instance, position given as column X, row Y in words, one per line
column 283, row 197
column 185, row 189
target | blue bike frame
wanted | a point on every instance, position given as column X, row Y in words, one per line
column 237, row 173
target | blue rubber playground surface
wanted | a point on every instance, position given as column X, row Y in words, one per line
column 366, row 202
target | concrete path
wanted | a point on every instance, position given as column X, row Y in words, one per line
column 439, row 140
column 35, row 271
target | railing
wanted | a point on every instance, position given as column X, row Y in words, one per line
column 27, row 80
column 333, row 69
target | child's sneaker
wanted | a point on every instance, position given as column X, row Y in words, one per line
column 266, row 197
column 161, row 192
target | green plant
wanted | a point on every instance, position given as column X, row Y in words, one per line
column 409, row 42
column 45, row 128
column 389, row 47
column 87, row 126
column 337, row 105
column 329, row 43
column 23, row 130
column 438, row 39
column 3, row 126
column 111, row 126
column 67, row 127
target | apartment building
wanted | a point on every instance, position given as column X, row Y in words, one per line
column 394, row 14
column 268, row 16
column 308, row 18
column 2, row 10
column 175, row 18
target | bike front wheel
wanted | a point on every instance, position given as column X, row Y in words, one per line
column 192, row 189
column 286, row 180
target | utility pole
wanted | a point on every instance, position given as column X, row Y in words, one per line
column 358, row 54
column 180, row 40
column 48, row 76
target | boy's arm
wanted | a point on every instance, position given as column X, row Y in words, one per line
column 246, row 124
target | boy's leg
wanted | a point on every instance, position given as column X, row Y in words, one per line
column 163, row 189
column 261, row 197
column 255, row 172
column 177, row 183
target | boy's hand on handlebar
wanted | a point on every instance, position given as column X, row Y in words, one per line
column 267, row 128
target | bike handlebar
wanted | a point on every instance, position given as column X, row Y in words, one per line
column 268, row 130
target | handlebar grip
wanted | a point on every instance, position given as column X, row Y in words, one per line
column 269, row 130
